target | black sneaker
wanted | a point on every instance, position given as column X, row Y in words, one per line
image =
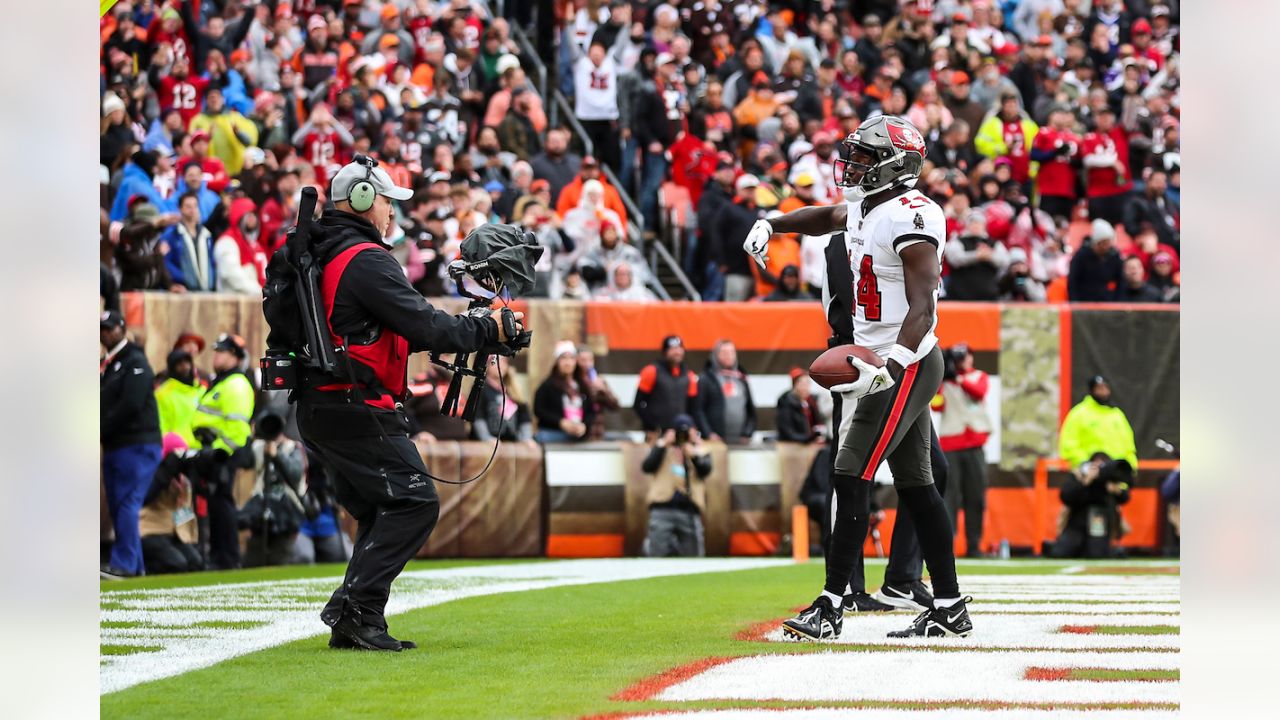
column 111, row 572
column 862, row 602
column 342, row 642
column 819, row 621
column 940, row 622
column 913, row 596
column 362, row 637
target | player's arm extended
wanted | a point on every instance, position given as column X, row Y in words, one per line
column 808, row 220
column 920, row 274
column 818, row 220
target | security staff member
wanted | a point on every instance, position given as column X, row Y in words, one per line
column 178, row 396
column 130, row 435
column 354, row 421
column 221, row 422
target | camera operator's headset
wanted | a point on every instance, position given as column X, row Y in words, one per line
column 363, row 194
column 361, row 197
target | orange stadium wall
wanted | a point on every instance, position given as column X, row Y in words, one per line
column 586, row 501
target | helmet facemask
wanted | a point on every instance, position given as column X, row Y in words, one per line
column 857, row 167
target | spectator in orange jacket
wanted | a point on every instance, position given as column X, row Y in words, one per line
column 571, row 194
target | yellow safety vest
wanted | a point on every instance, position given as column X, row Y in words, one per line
column 177, row 403
column 226, row 408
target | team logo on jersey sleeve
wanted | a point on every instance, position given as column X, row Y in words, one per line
column 919, row 221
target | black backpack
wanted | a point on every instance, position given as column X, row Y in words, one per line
column 294, row 310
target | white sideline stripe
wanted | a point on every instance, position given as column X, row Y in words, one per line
column 889, row 714
column 920, row 676
column 1038, row 632
column 414, row 589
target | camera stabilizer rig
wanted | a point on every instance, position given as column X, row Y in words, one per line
column 488, row 277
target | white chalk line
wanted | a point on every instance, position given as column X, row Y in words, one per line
column 290, row 608
column 918, row 676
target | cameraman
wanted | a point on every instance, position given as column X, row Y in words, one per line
column 677, row 491
column 360, row 430
column 274, row 513
column 963, row 431
column 1092, row 497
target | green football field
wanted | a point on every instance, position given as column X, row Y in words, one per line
column 573, row 639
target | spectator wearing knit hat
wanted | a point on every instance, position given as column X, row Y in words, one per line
column 1096, row 268
column 561, row 404
column 115, row 135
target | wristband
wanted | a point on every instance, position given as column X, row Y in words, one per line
column 901, row 355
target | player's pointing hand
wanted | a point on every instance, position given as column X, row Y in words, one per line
column 757, row 242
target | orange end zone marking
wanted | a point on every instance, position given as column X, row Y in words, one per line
column 649, row 688
column 1079, row 629
column 1044, row 674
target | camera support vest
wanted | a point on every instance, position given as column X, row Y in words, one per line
column 387, row 357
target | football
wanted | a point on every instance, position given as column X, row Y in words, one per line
column 833, row 367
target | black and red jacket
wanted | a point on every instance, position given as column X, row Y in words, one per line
column 372, row 309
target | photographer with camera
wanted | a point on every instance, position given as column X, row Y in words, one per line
column 170, row 537
column 275, row 513
column 677, row 467
column 354, row 419
column 1092, row 497
column 963, row 431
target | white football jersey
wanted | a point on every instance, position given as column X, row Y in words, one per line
column 879, row 291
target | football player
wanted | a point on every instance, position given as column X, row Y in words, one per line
column 894, row 239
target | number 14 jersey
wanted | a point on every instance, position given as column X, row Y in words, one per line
column 873, row 243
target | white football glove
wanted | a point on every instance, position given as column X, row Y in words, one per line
column 757, row 242
column 871, row 379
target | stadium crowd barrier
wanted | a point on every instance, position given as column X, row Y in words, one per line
column 1039, row 357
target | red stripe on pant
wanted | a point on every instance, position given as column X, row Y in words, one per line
column 891, row 423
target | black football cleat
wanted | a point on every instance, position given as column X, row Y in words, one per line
column 940, row 622
column 819, row 621
column 863, row 602
column 349, row 635
column 913, row 596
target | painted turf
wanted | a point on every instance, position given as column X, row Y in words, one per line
column 288, row 610
column 1031, row 632
column 955, row 676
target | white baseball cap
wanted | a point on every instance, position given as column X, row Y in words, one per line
column 354, row 172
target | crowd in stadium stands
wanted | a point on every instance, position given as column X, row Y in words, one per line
column 1052, row 128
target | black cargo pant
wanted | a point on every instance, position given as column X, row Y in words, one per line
column 382, row 482
column 905, row 562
